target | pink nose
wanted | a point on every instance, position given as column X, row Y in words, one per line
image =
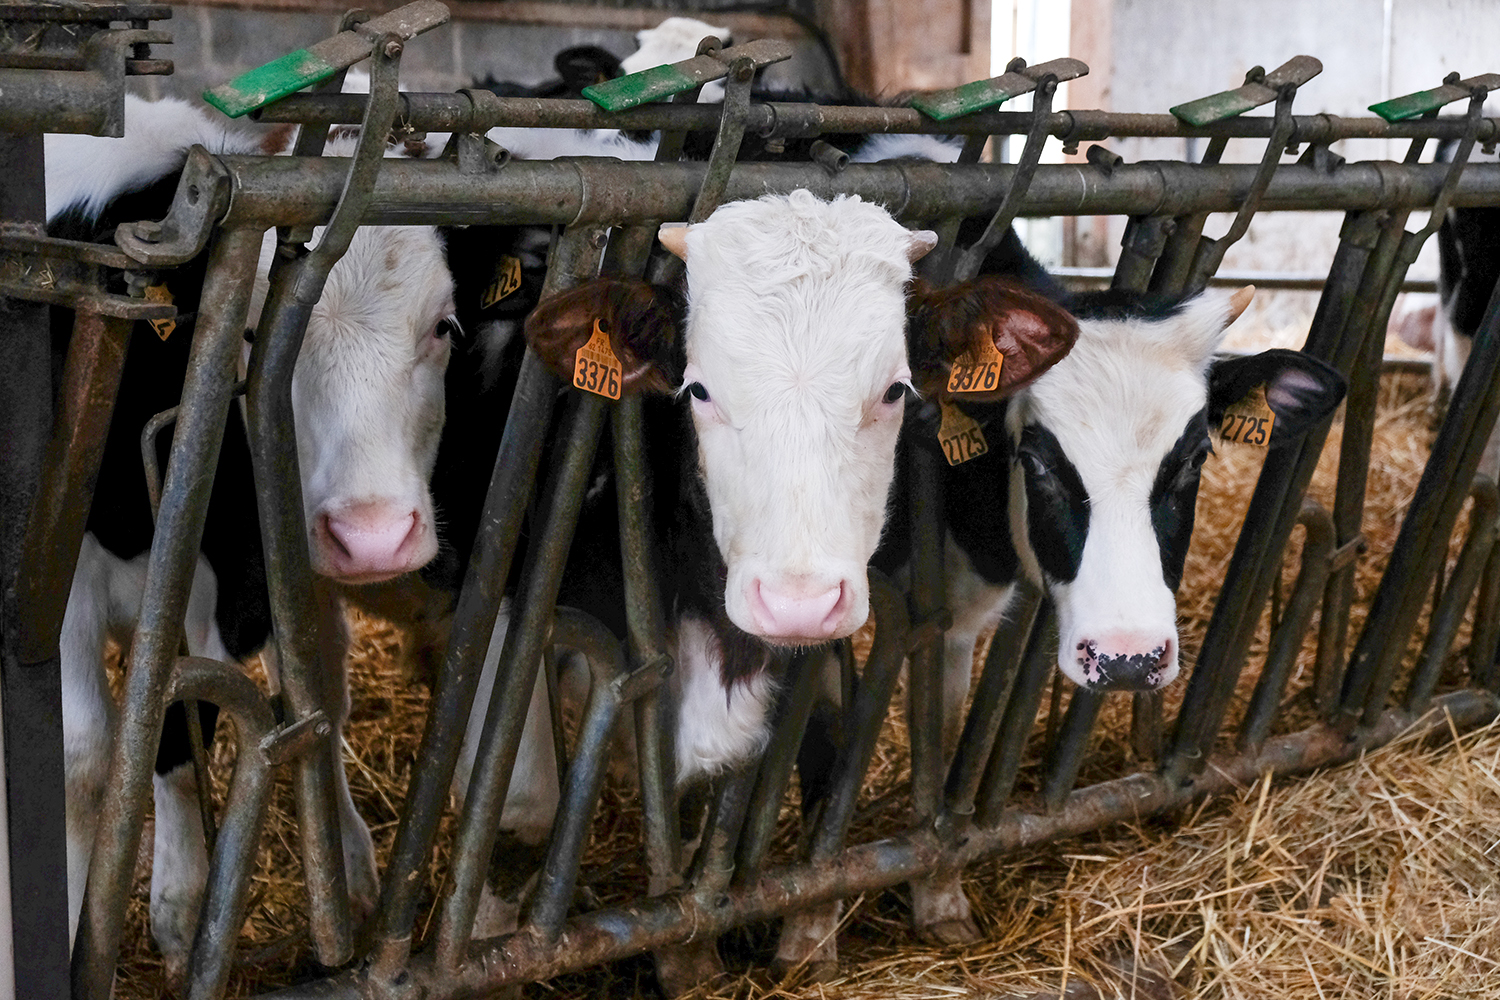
column 369, row 542
column 798, row 613
column 1127, row 661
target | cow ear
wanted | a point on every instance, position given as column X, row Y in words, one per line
column 1301, row 390
column 673, row 236
column 1032, row 333
column 640, row 318
column 920, row 244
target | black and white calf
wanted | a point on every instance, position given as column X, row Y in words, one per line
column 368, row 402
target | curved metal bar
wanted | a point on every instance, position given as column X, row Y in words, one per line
column 233, row 862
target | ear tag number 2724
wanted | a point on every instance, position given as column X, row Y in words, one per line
column 1249, row 421
column 977, row 370
column 596, row 368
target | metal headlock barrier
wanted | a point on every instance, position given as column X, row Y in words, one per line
column 963, row 805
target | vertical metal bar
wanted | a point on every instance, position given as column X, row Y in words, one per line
column 295, row 287
column 1482, row 642
column 925, row 664
column 1422, row 543
column 580, row 793
column 1342, row 322
column 1145, row 238
column 510, row 491
column 511, row 698
column 1037, row 665
column 227, row 892
column 1449, row 612
column 169, row 573
column 1286, row 643
column 713, row 865
column 37, row 916
column 1175, row 264
column 991, row 695
column 1072, row 741
column 776, row 765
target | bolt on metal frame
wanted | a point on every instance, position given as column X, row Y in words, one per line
column 963, row 806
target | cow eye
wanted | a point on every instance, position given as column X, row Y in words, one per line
column 1036, row 466
column 447, row 327
column 698, row 392
column 895, row 393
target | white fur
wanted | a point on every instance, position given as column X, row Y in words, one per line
column 715, row 728
column 795, row 328
column 90, row 170
column 551, row 143
column 104, row 603
column 671, row 41
column 936, row 148
column 1117, row 404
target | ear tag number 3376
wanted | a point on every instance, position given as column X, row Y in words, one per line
column 977, row 370
column 960, row 435
column 596, row 368
column 1249, row 421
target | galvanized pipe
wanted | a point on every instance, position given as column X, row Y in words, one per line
column 580, row 793
column 174, row 553
column 226, row 895
column 612, row 934
column 285, row 191
column 1037, row 664
column 1446, row 617
column 516, row 674
column 1286, row 643
column 510, row 490
column 481, row 110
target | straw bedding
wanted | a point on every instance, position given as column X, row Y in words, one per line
column 1379, row 878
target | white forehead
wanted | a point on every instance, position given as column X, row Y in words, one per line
column 793, row 290
column 1123, row 396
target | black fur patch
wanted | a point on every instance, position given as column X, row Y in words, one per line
column 1174, row 495
column 1057, row 504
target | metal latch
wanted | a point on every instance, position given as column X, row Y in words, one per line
column 674, row 78
column 982, row 94
column 1259, row 88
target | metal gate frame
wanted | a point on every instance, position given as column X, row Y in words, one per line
column 963, row 807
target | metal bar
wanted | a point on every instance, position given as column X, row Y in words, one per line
column 924, row 719
column 599, row 937
column 1483, row 639
column 713, row 864
column 1449, row 613
column 226, row 894
column 195, row 451
column 1072, row 742
column 479, row 111
column 1039, row 660
column 32, row 699
column 991, row 695
column 776, row 764
column 278, row 191
column 1175, row 264
column 1286, row 643
column 1337, row 335
column 1142, row 244
column 580, row 793
column 519, row 658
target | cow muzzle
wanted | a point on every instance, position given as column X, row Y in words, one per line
column 800, row 612
column 1122, row 661
column 370, row 542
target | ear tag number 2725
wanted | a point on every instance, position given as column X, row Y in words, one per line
column 1249, row 421
column 596, row 368
column 960, row 435
column 977, row 370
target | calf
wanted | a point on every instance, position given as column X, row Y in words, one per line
column 368, row 403
column 1089, row 487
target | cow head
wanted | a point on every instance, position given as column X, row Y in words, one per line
column 1108, row 450
column 367, row 397
column 793, row 361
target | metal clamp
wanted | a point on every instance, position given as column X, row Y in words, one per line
column 289, row 742
column 674, row 78
column 295, row 70
column 991, row 93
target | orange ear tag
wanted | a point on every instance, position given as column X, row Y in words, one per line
column 163, row 327
column 507, row 280
column 596, row 369
column 977, row 370
column 1249, row 421
column 960, row 435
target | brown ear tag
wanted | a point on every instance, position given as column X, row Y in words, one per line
column 977, row 370
column 596, row 368
column 163, row 327
column 1249, row 421
column 960, row 435
column 507, row 280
